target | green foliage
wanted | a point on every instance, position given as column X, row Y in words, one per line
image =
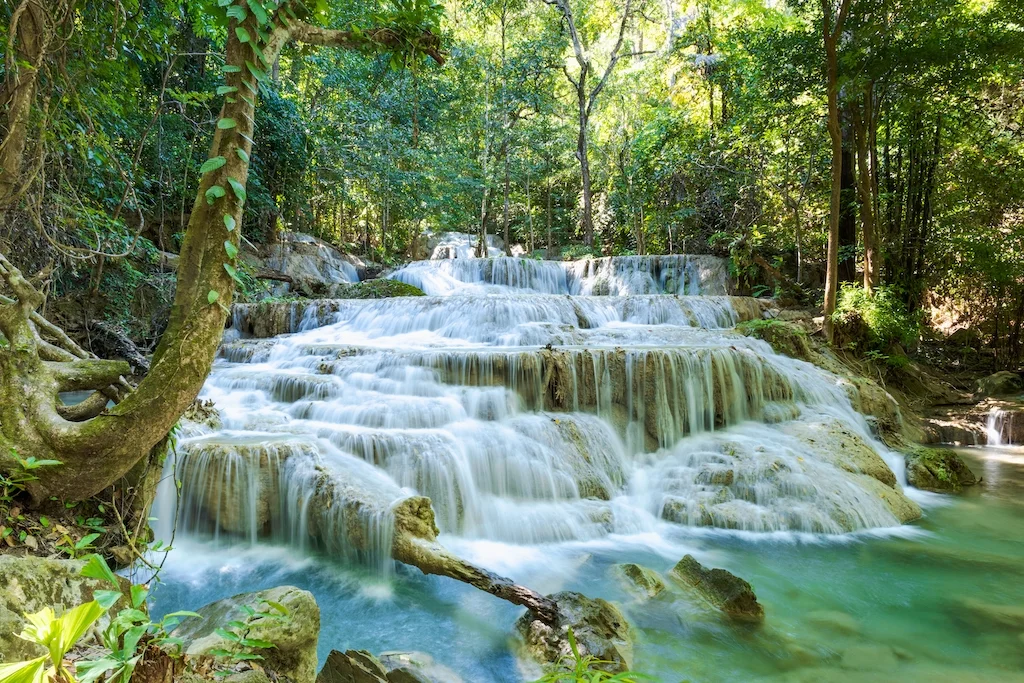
column 875, row 322
column 577, row 668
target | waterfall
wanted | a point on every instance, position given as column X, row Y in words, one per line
column 1002, row 426
column 531, row 402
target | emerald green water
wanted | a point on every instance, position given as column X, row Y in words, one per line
column 940, row 600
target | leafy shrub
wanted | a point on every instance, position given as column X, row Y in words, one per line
column 578, row 251
column 874, row 322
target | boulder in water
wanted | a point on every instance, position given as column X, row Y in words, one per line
column 723, row 589
column 1002, row 383
column 599, row 627
column 352, row 666
column 938, row 469
column 294, row 634
column 29, row 584
column 639, row 580
column 416, row 667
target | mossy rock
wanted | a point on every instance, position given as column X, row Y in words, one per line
column 937, row 469
column 376, row 289
column 294, row 635
column 784, row 337
column 722, row 589
column 639, row 580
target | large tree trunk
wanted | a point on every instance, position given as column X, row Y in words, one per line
column 848, row 206
column 582, row 154
column 32, row 35
column 866, row 174
column 831, row 35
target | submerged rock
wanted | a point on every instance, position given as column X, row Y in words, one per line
column 833, row 620
column 352, row 666
column 416, row 667
column 599, row 627
column 29, row 584
column 639, row 580
column 938, row 469
column 991, row 616
column 294, row 635
column 1002, row 383
column 723, row 589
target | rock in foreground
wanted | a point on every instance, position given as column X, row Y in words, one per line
column 723, row 589
column 294, row 636
column 599, row 627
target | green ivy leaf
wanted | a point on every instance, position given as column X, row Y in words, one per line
column 212, row 164
column 212, row 296
column 242, row 34
column 237, row 12
column 230, row 269
column 223, row 3
column 229, row 222
column 226, row 123
column 231, row 249
column 241, row 154
column 238, row 188
column 257, row 9
column 231, row 69
column 215, row 193
column 259, row 73
column 226, row 89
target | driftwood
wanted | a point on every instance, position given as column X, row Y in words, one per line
column 268, row 274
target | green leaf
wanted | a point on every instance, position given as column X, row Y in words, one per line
column 226, row 89
column 237, row 12
column 246, row 656
column 241, row 154
column 224, row 633
column 257, row 643
column 232, row 69
column 259, row 73
column 238, row 188
column 232, row 272
column 215, row 193
column 212, row 296
column 71, row 626
column 226, row 123
column 229, row 222
column 242, row 34
column 30, row 671
column 96, row 568
column 86, row 541
column 107, row 598
column 212, row 164
column 139, row 595
column 258, row 11
column 231, row 249
column 248, row 100
column 278, row 606
column 92, row 670
column 183, row 613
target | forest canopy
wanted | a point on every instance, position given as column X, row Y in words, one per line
column 569, row 127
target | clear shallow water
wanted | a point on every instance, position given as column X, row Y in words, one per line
column 906, row 604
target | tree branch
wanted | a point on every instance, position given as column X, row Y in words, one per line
column 88, row 374
column 614, row 57
column 387, row 38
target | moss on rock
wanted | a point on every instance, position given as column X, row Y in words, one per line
column 937, row 469
column 722, row 589
column 380, row 288
column 786, row 338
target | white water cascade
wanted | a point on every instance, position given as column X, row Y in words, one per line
column 1002, row 426
column 532, row 402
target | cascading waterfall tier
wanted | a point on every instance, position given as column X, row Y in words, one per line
column 608, row 276
column 529, row 409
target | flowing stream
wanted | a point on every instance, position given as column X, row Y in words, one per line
column 563, row 418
